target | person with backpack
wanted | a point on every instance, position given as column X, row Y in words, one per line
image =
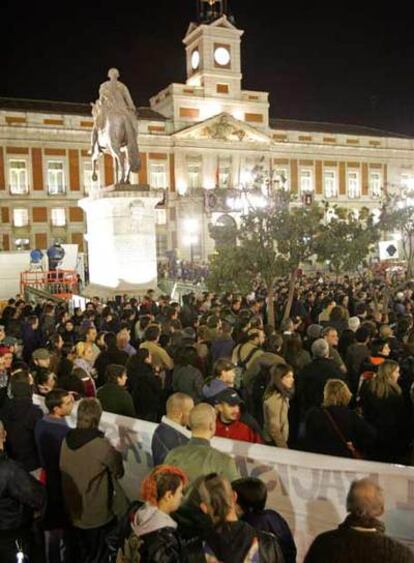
column 148, row 533
column 251, row 508
column 222, row 537
column 244, row 354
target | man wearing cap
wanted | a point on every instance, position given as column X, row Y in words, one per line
column 231, row 423
column 41, row 358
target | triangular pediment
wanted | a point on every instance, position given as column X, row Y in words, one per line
column 225, row 128
column 221, row 22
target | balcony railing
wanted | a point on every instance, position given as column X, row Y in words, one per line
column 18, row 190
column 53, row 191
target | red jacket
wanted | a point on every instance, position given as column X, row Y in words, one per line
column 237, row 430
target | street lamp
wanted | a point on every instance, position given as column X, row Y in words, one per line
column 191, row 234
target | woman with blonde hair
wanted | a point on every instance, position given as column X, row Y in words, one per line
column 83, row 367
column 334, row 429
column 383, row 405
column 276, row 405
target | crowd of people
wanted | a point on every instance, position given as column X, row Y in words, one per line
column 336, row 378
column 183, row 270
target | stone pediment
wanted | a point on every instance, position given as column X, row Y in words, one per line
column 222, row 22
column 224, row 127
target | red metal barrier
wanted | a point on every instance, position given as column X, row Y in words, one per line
column 62, row 283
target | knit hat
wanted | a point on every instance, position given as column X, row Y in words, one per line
column 41, row 354
column 354, row 323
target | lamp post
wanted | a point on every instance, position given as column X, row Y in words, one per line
column 191, row 236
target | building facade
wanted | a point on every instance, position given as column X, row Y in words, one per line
column 200, row 141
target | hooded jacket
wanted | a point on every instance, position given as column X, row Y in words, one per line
column 157, row 531
column 88, row 464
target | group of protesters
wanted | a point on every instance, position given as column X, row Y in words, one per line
column 334, row 377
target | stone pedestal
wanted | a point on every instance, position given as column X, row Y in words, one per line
column 121, row 239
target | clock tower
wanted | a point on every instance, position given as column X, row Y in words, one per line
column 213, row 51
column 213, row 77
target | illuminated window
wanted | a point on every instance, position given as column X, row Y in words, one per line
column 22, row 244
column 158, row 175
column 330, row 183
column 55, row 177
column 375, row 183
column 20, row 217
column 406, row 181
column 353, row 184
column 88, row 183
column 224, row 172
column 194, row 172
column 306, row 180
column 281, row 179
column 18, row 177
column 58, row 217
column 161, row 244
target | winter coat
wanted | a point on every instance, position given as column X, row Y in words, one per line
column 311, row 380
column 221, row 348
column 276, row 421
column 160, row 542
column 347, row 544
column 165, row 438
column 272, row 522
column 20, row 494
column 146, row 391
column 19, row 416
column 240, row 429
column 390, row 417
column 188, row 380
column 238, row 541
column 198, row 457
column 322, row 438
column 49, row 434
column 115, row 399
column 88, row 464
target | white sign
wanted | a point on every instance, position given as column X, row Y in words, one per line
column 309, row 490
column 388, row 250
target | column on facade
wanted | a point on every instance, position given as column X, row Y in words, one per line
column 210, row 163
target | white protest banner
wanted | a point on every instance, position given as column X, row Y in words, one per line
column 309, row 490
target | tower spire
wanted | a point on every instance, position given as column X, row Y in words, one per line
column 210, row 10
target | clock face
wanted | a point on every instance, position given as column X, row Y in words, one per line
column 222, row 56
column 195, row 59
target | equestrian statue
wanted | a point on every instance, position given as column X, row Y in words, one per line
column 115, row 128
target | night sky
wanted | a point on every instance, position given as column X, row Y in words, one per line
column 345, row 62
